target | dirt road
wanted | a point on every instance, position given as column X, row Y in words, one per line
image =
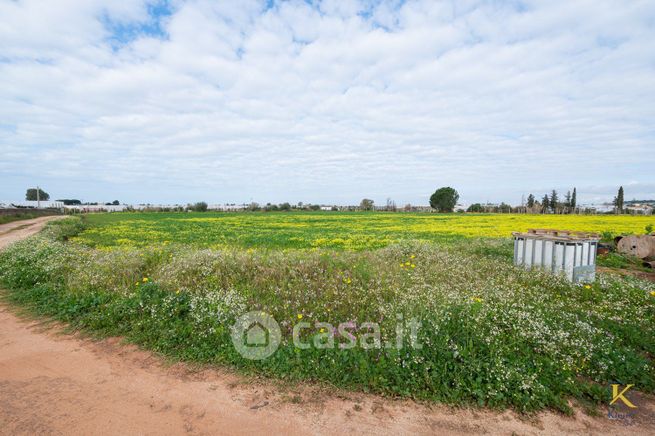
column 61, row 384
column 17, row 230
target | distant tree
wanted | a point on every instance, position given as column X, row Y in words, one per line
column 200, row 206
column 554, row 201
column 408, row 207
column 391, row 205
column 475, row 207
column 504, row 208
column 444, row 199
column 545, row 203
column 530, row 203
column 567, row 200
column 315, row 207
column 70, row 202
column 285, row 206
column 254, row 207
column 30, row 195
column 574, row 200
column 366, row 204
column 115, row 203
column 618, row 200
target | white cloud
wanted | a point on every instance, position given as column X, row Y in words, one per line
column 327, row 103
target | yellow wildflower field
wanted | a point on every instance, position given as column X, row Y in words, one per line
column 341, row 230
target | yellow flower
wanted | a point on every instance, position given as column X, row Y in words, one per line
column 413, row 266
column 652, row 293
column 322, row 330
column 137, row 283
column 408, row 263
column 477, row 299
column 348, row 280
column 300, row 316
column 402, row 265
column 145, row 280
column 177, row 292
column 587, row 286
column 412, row 256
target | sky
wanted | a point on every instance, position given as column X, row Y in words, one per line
column 326, row 101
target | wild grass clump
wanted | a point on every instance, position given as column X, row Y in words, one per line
column 491, row 334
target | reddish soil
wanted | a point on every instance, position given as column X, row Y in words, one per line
column 17, row 230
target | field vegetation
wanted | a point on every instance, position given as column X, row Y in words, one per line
column 20, row 215
column 349, row 230
column 492, row 334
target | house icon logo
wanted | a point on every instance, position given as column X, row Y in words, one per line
column 256, row 335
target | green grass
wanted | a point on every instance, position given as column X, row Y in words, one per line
column 492, row 334
column 622, row 261
column 4, row 219
column 336, row 230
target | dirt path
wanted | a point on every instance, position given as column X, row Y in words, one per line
column 61, row 384
column 644, row 275
column 17, row 230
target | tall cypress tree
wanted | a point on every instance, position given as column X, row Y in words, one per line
column 545, row 203
column 530, row 201
column 574, row 200
column 554, row 199
column 618, row 200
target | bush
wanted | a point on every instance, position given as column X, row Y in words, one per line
column 200, row 206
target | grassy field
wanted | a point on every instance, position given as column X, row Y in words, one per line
column 19, row 216
column 355, row 231
column 493, row 334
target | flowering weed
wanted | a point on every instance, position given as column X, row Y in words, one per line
column 492, row 334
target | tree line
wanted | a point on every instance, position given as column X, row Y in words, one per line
column 552, row 203
column 443, row 200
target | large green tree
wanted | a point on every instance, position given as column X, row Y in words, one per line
column 30, row 195
column 444, row 199
column 366, row 204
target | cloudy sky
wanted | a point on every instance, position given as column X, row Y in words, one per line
column 326, row 102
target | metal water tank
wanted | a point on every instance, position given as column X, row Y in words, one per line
column 566, row 252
